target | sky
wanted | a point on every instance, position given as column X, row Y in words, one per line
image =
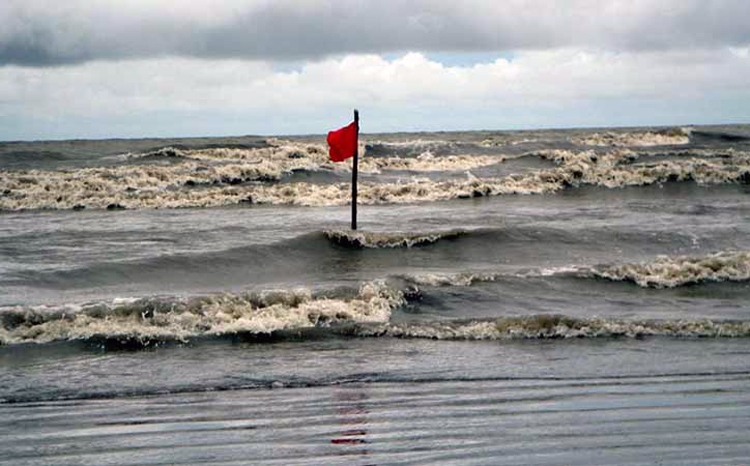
column 144, row 68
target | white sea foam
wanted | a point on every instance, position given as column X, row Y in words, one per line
column 661, row 272
column 427, row 162
column 182, row 319
column 390, row 240
column 369, row 309
column 610, row 171
column 548, row 326
column 197, row 184
column 670, row 272
column 416, row 145
column 506, row 141
column 155, row 185
column 450, row 279
column 676, row 136
column 438, row 279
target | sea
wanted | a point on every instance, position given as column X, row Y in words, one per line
column 545, row 297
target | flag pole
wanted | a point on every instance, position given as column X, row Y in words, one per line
column 354, row 174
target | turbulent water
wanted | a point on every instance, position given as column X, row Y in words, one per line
column 535, row 297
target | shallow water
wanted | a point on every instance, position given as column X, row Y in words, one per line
column 372, row 401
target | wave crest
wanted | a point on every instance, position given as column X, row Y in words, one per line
column 662, row 272
column 668, row 137
column 670, row 272
column 548, row 326
column 148, row 320
column 427, row 162
column 408, row 148
column 195, row 184
column 371, row 240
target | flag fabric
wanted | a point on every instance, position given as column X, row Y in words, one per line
column 343, row 142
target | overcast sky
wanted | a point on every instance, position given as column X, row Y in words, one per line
column 134, row 68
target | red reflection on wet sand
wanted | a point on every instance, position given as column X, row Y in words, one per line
column 353, row 415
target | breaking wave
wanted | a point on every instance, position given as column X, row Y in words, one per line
column 276, row 150
column 662, row 272
column 451, row 279
column 410, row 148
column 506, row 140
column 301, row 313
column 366, row 311
column 427, row 162
column 283, row 157
column 207, row 178
column 198, row 176
column 436, row 279
column 669, row 137
column 549, row 326
column 156, row 319
column 371, row 240
column 670, row 272
column 252, row 180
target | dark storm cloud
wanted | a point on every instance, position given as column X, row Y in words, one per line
column 47, row 33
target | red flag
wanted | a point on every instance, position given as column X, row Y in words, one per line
column 343, row 142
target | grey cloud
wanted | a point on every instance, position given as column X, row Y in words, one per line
column 44, row 33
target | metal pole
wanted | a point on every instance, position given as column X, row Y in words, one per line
column 354, row 174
